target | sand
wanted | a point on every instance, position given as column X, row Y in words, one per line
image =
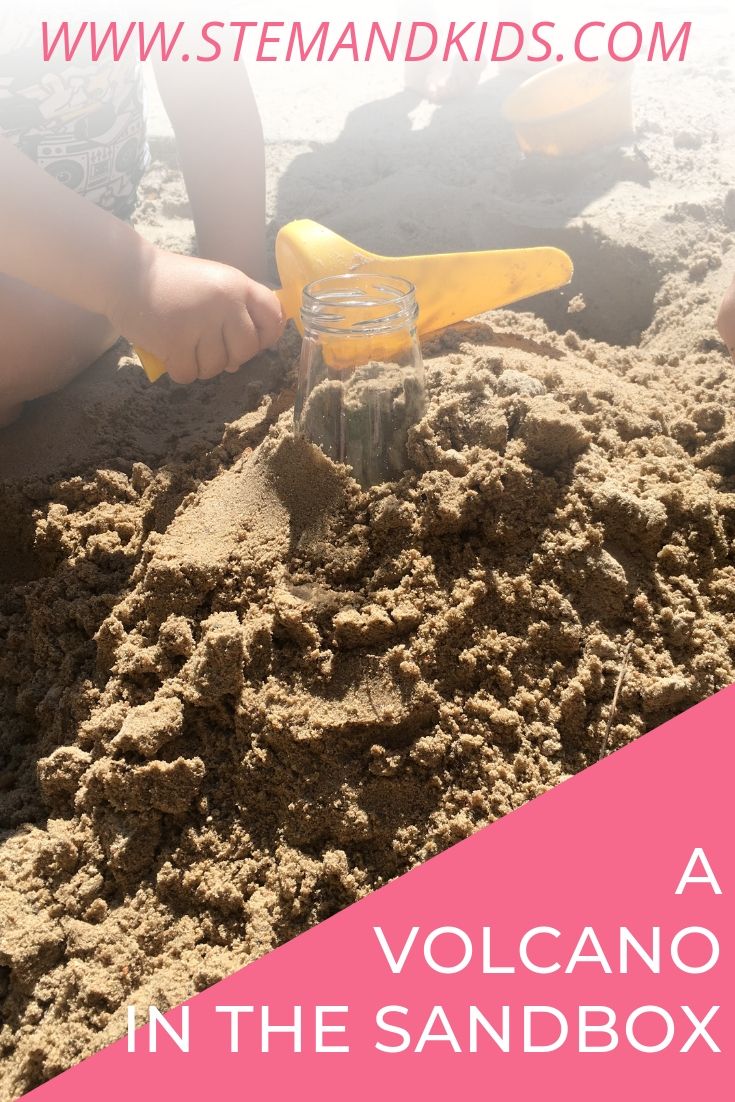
column 365, row 420
column 239, row 691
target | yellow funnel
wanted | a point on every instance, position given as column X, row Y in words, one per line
column 449, row 286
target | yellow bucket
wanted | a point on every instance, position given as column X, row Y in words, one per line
column 572, row 108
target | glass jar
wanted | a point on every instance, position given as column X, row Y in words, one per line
column 361, row 376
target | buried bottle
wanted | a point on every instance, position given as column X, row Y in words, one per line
column 361, row 376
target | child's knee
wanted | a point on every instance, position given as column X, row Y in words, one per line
column 10, row 412
column 47, row 342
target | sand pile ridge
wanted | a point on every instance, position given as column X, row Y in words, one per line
column 240, row 691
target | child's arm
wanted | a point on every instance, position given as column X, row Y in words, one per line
column 219, row 138
column 726, row 319
column 199, row 317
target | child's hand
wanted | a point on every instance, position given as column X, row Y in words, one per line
column 726, row 319
column 200, row 318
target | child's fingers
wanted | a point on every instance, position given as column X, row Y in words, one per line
column 726, row 315
column 212, row 356
column 241, row 338
column 183, row 366
column 267, row 314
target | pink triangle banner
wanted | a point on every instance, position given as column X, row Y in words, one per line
column 580, row 948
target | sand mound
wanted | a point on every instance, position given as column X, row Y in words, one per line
column 240, row 691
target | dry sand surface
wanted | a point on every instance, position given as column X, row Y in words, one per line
column 239, row 692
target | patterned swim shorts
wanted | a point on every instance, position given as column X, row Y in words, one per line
column 81, row 121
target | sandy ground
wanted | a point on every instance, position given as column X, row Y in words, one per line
column 239, row 692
